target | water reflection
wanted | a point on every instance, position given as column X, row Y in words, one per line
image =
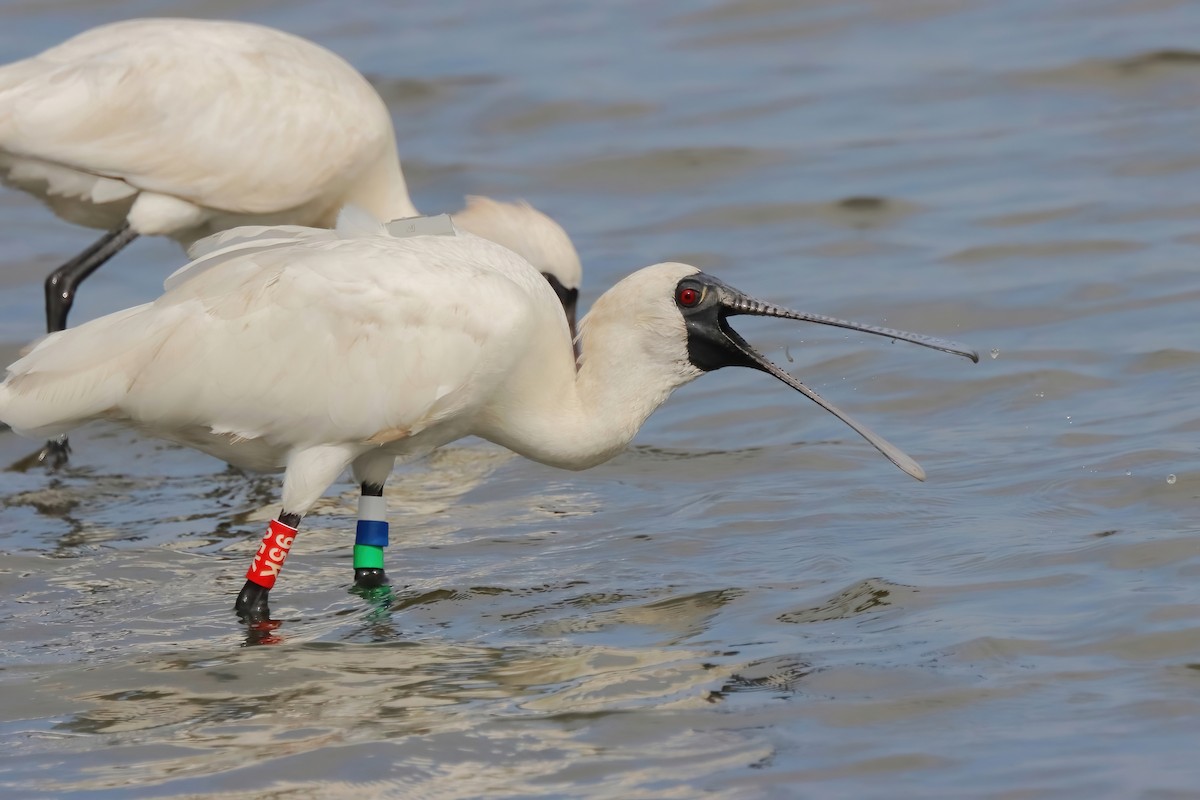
column 858, row 599
column 262, row 706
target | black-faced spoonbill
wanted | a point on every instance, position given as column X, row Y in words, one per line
column 328, row 349
column 183, row 128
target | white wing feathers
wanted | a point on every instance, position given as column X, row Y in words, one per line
column 79, row 378
column 212, row 251
column 91, row 103
column 219, row 248
column 308, row 340
column 354, row 221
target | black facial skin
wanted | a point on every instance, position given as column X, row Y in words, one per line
column 569, row 299
column 712, row 344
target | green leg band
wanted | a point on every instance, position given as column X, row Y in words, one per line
column 368, row 556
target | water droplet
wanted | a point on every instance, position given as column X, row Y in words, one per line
column 1171, row 479
column 995, row 352
column 1128, row 472
column 787, row 351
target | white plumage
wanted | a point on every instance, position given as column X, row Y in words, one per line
column 326, row 339
column 313, row 350
column 184, row 127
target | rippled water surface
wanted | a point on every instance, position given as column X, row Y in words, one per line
column 749, row 602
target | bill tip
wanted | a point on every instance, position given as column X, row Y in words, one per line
column 912, row 468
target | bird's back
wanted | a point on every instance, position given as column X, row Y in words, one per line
column 232, row 117
column 331, row 338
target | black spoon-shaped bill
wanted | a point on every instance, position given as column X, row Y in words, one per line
column 706, row 304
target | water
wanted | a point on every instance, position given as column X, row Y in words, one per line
column 750, row 602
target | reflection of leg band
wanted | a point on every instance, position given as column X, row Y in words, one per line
column 271, row 553
column 371, row 535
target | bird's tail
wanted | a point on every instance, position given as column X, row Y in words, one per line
column 75, row 375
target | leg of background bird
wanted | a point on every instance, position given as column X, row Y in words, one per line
column 308, row 474
column 60, row 295
column 371, row 535
column 62, row 283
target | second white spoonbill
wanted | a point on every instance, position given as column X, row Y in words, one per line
column 184, row 127
column 333, row 349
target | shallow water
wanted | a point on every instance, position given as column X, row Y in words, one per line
column 750, row 602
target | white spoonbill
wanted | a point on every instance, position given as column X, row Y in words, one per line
column 182, row 128
column 327, row 349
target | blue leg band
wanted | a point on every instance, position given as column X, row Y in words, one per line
column 372, row 532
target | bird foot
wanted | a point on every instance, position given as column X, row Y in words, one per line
column 251, row 607
column 370, row 578
column 53, row 456
column 372, row 585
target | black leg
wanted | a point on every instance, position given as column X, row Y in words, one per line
column 370, row 577
column 370, row 541
column 53, row 456
column 62, row 283
column 60, row 295
column 251, row 605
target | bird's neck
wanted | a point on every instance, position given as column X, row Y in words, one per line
column 383, row 190
column 579, row 420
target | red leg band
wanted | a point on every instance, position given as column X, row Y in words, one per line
column 271, row 553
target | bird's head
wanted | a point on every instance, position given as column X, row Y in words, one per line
column 679, row 318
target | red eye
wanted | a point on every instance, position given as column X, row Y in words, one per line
column 688, row 297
